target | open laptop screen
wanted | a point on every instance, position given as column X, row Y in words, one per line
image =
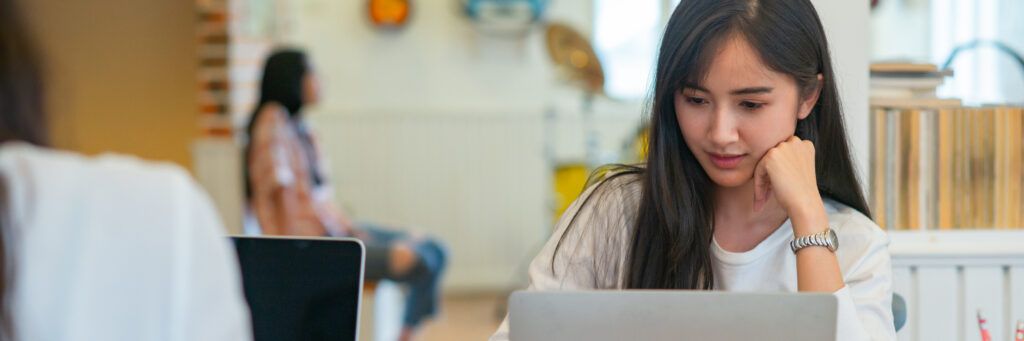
column 302, row 289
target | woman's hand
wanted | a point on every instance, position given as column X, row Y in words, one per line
column 787, row 172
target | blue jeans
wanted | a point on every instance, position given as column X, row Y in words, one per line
column 423, row 280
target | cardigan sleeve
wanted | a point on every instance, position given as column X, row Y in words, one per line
column 865, row 303
column 587, row 249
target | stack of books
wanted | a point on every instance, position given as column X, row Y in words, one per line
column 947, row 167
column 908, row 85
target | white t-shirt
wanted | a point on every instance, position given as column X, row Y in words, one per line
column 114, row 248
column 593, row 254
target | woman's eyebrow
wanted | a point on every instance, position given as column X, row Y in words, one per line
column 695, row 87
column 742, row 91
column 752, row 91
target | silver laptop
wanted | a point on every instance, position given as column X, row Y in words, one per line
column 670, row 315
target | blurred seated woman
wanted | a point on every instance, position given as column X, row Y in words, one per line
column 289, row 193
column 101, row 248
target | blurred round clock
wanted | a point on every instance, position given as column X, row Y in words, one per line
column 389, row 13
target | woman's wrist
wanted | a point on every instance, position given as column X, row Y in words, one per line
column 809, row 218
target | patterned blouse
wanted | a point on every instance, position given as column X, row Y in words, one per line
column 289, row 196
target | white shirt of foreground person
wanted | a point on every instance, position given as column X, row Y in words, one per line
column 594, row 252
column 114, row 248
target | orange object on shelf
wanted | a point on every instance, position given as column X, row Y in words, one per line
column 389, row 12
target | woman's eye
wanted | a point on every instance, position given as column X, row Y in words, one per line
column 751, row 105
column 696, row 100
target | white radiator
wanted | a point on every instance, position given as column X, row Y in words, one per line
column 947, row 277
column 476, row 182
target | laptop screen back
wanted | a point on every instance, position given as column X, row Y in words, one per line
column 302, row 289
column 670, row 315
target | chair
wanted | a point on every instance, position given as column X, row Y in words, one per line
column 899, row 311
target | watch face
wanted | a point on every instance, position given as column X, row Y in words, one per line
column 833, row 238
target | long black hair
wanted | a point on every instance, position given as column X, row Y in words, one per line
column 283, row 76
column 21, row 119
column 674, row 222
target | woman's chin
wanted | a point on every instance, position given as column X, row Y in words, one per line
column 731, row 179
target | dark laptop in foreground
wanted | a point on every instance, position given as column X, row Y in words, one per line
column 670, row 315
column 302, row 288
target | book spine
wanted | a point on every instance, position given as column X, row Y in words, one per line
column 879, row 158
column 945, row 169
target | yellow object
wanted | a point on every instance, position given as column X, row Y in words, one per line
column 569, row 182
column 640, row 144
column 570, row 179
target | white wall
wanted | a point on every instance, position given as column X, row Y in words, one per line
column 437, row 62
column 847, row 26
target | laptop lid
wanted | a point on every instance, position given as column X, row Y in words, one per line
column 670, row 315
column 302, row 288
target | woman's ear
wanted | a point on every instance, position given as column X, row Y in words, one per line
column 811, row 99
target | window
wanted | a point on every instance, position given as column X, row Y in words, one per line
column 929, row 30
column 626, row 38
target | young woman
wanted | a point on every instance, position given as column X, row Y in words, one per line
column 101, row 248
column 289, row 193
column 748, row 182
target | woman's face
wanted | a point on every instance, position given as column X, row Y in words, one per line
column 740, row 111
column 310, row 89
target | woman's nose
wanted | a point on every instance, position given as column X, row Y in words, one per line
column 723, row 130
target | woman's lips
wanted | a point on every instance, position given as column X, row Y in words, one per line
column 726, row 161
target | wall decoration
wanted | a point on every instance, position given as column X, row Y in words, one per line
column 389, row 13
column 512, row 18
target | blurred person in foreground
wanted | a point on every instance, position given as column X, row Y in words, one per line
column 101, row 248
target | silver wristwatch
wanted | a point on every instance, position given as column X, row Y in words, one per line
column 825, row 238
